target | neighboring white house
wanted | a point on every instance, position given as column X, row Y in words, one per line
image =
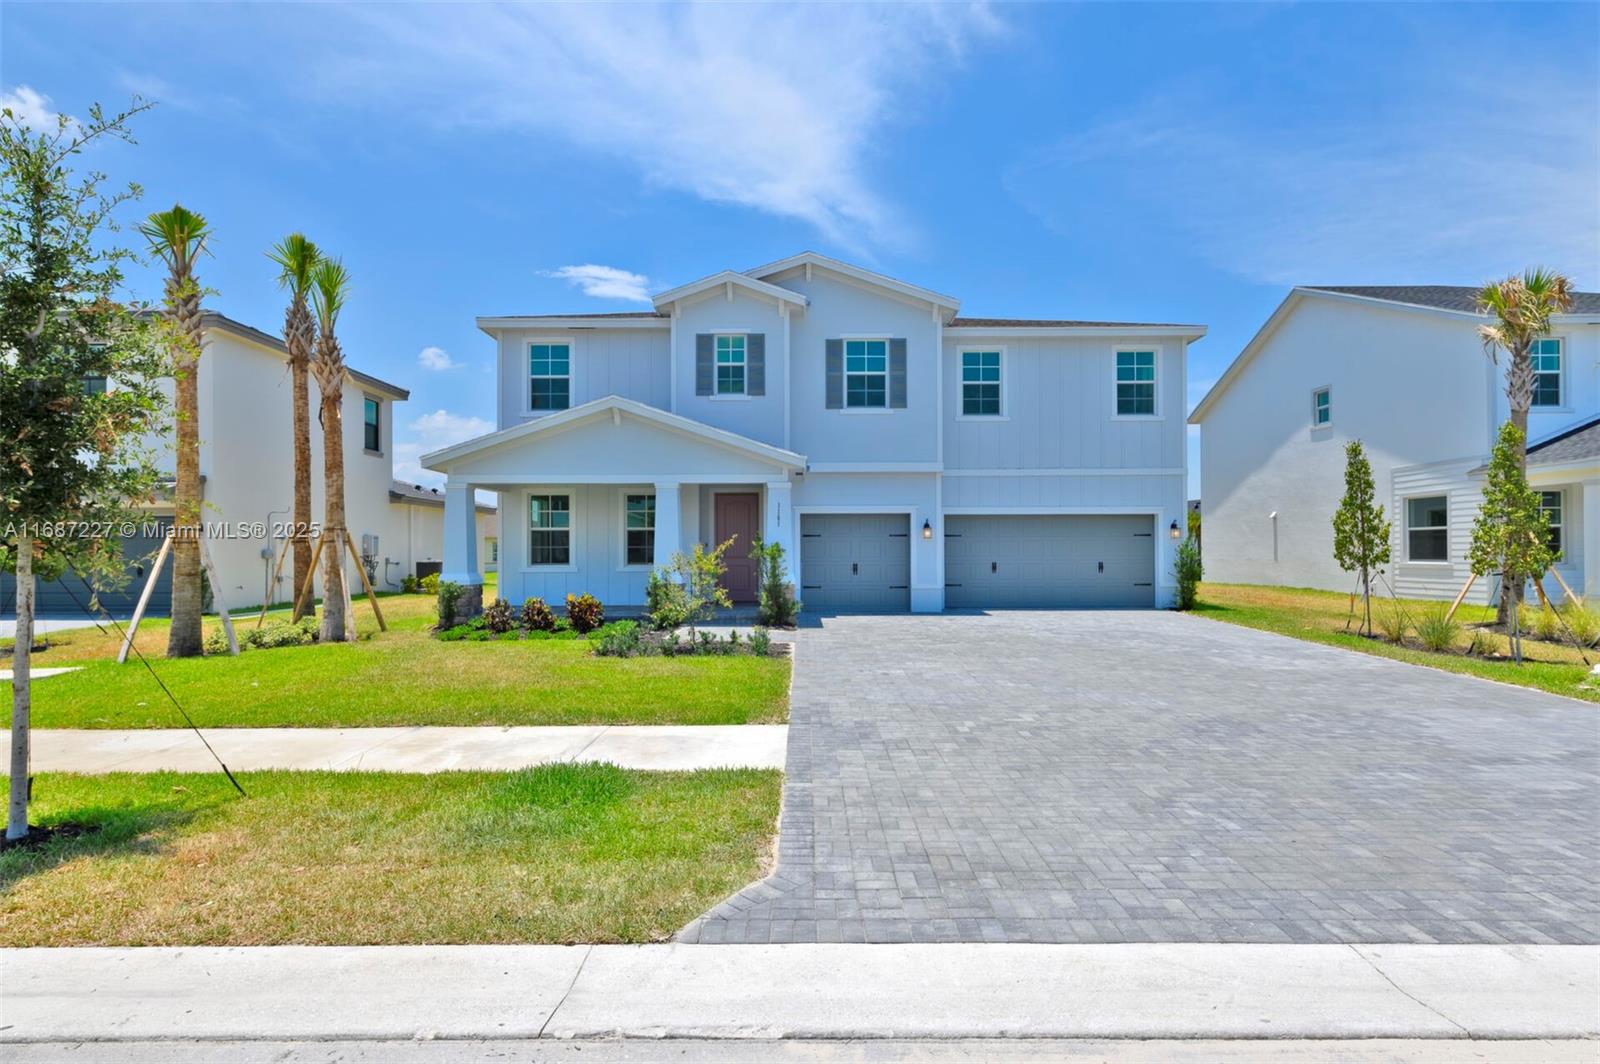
column 247, row 481
column 1402, row 370
column 906, row 458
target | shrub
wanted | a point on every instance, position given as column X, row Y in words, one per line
column 760, row 642
column 619, row 640
column 1583, row 621
column 537, row 617
column 1392, row 621
column 499, row 617
column 700, row 576
column 585, row 613
column 777, row 608
column 430, row 584
column 449, row 599
column 1187, row 569
column 409, row 585
column 1437, row 629
column 665, row 601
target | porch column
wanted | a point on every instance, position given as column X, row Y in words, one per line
column 778, row 525
column 1591, row 538
column 461, row 546
column 669, row 521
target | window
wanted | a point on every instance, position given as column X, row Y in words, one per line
column 1428, row 529
column 1550, row 506
column 491, row 547
column 94, row 385
column 1136, row 383
column 980, row 383
column 639, row 527
column 1321, row 407
column 866, row 373
column 1546, row 356
column 730, row 365
column 372, row 438
column 550, row 367
column 549, row 530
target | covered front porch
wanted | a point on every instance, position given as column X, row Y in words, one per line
column 593, row 499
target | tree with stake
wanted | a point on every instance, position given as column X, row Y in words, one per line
column 330, row 285
column 1511, row 535
column 296, row 258
column 1360, row 534
column 79, row 383
column 178, row 237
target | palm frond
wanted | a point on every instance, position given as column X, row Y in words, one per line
column 330, row 286
column 296, row 257
column 178, row 235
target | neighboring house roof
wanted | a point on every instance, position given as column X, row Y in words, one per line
column 676, row 422
column 728, row 277
column 811, row 258
column 1061, row 323
column 627, row 319
column 417, row 495
column 1573, row 445
column 1440, row 296
column 213, row 320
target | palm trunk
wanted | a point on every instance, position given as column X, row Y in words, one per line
column 333, row 527
column 1519, row 393
column 183, row 639
column 21, row 694
column 301, row 543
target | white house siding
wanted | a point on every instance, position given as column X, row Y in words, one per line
column 1413, row 386
column 756, row 417
column 1434, row 579
column 598, row 559
column 632, row 363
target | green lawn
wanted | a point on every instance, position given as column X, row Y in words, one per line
column 562, row 853
column 398, row 677
column 1320, row 617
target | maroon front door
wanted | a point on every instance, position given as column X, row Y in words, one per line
column 739, row 517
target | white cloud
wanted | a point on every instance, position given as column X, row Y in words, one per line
column 768, row 107
column 428, row 433
column 605, row 282
column 31, row 108
column 435, row 358
column 1425, row 190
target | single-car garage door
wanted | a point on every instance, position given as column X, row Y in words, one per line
column 1041, row 561
column 855, row 563
column 68, row 596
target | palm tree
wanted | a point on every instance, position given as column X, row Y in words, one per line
column 297, row 257
column 1522, row 308
column 178, row 237
column 330, row 284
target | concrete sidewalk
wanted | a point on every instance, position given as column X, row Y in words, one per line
column 1141, row 991
column 663, row 747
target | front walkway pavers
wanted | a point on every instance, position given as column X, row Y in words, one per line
column 1151, row 777
column 421, row 749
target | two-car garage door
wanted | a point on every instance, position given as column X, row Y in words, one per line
column 862, row 562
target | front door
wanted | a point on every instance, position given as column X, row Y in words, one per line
column 738, row 517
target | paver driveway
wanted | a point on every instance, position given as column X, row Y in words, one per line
column 1137, row 776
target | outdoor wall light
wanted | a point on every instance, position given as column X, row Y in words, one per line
column 1173, row 530
column 927, row 529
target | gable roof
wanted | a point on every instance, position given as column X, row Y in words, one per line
column 675, row 422
column 417, row 495
column 811, row 258
column 1573, row 445
column 728, row 277
column 213, row 320
column 1439, row 296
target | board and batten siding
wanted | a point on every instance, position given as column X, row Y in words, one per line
column 598, row 548
column 633, row 363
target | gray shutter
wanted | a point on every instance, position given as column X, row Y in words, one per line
column 705, row 361
column 897, row 374
column 755, row 364
column 835, row 374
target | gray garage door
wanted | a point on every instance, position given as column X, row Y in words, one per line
column 66, row 597
column 855, row 563
column 1048, row 561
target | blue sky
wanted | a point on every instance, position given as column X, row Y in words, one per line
column 1126, row 162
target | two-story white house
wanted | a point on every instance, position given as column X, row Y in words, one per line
column 1402, row 370
column 905, row 457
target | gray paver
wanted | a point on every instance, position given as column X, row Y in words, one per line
column 1144, row 776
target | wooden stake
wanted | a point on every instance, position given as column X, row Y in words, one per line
column 1544, row 600
column 311, row 576
column 1565, row 589
column 372, row 596
column 144, row 599
column 1460, row 596
column 277, row 571
column 216, row 594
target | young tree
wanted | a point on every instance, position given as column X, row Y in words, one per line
column 1522, row 308
column 296, row 258
column 75, row 458
column 178, row 237
column 1511, row 535
column 330, row 285
column 700, row 575
column 1360, row 534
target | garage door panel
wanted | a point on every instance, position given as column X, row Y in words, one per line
column 855, row 562
column 1049, row 561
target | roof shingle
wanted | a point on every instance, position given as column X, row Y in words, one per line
column 1440, row 296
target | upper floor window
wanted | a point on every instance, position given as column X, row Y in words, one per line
column 1550, row 506
column 980, row 383
column 550, row 367
column 866, row 373
column 1321, row 407
column 372, row 433
column 639, row 522
column 549, row 530
column 95, row 385
column 1546, row 356
column 1136, row 383
column 730, row 365
column 1428, row 529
